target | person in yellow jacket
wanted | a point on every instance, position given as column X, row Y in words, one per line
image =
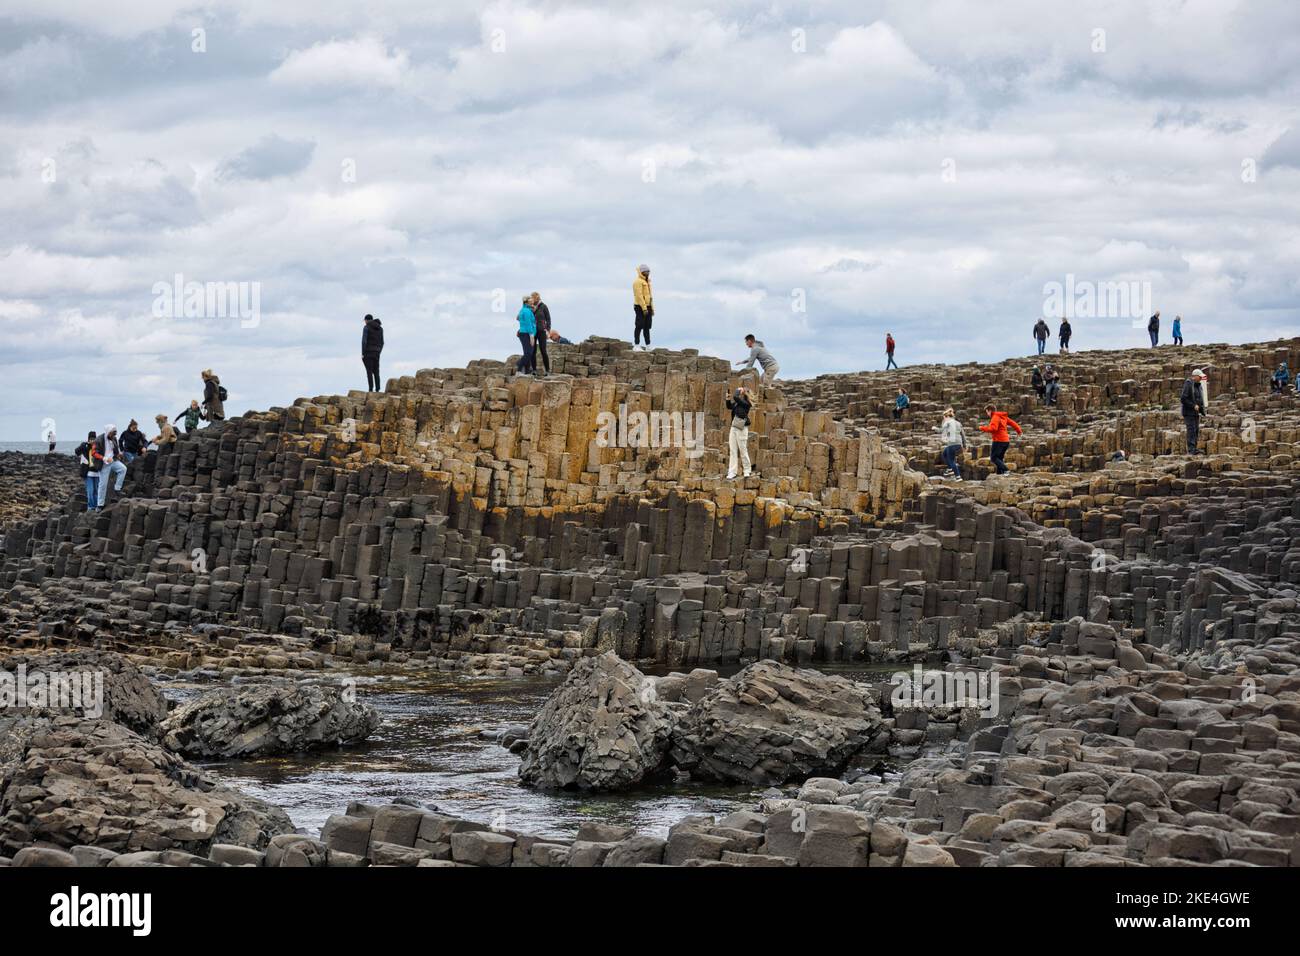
column 643, row 304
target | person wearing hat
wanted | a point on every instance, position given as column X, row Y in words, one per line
column 110, row 464
column 643, row 304
column 1193, row 405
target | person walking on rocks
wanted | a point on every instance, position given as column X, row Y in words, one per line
column 1041, row 332
column 107, row 454
column 1153, row 328
column 953, row 438
column 372, row 343
column 1176, row 330
column 901, row 403
column 1192, row 400
column 526, row 333
column 166, row 434
column 758, row 353
column 1063, row 334
column 1000, row 437
column 889, row 352
column 214, row 397
column 542, row 316
column 643, row 305
column 89, row 469
column 133, row 442
column 192, row 415
column 738, row 441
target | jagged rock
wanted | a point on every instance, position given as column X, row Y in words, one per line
column 267, row 719
column 102, row 684
column 604, row 728
column 772, row 723
column 70, row 782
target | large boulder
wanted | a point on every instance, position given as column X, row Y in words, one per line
column 67, row 782
column 772, row 723
column 90, row 684
column 267, row 719
column 604, row 728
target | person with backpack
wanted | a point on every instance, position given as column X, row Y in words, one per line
column 542, row 315
column 1153, row 328
column 133, row 442
column 740, row 406
column 372, row 343
column 89, row 469
column 1063, row 334
column 953, row 438
column 108, row 455
column 643, row 306
column 758, row 353
column 214, row 397
column 901, row 403
column 1000, row 437
column 1193, row 404
column 889, row 352
column 1176, row 330
column 192, row 415
column 1041, row 332
column 527, row 330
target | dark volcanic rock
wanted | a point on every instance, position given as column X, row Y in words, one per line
column 604, row 728
column 267, row 719
column 100, row 684
column 772, row 723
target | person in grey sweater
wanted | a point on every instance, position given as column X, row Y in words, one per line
column 758, row 353
column 953, row 438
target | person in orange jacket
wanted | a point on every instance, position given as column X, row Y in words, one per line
column 997, row 429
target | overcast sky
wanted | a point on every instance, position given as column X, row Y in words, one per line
column 816, row 173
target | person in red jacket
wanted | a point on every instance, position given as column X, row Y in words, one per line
column 889, row 351
column 997, row 429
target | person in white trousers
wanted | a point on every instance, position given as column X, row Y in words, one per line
column 738, row 440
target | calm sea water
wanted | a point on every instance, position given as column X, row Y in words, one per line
column 40, row 447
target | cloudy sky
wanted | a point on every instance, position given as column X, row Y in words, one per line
column 816, row 173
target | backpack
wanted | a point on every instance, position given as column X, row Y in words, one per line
column 222, row 394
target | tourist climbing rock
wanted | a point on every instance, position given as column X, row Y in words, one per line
column 758, row 353
column 542, row 315
column 192, row 415
column 214, row 397
column 372, row 343
column 1193, row 407
column 953, row 438
column 999, row 436
column 527, row 330
column 889, row 351
column 133, row 442
column 738, row 438
column 110, row 465
column 1041, row 332
column 643, row 305
column 166, row 434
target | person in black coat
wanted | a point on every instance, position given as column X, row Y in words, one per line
column 543, row 316
column 738, row 440
column 372, row 343
column 89, row 469
column 1193, row 405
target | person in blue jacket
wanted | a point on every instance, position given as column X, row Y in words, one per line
column 1281, row 378
column 527, row 329
column 1177, row 330
column 900, row 403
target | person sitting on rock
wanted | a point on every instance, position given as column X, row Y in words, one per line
column 1281, row 378
column 740, row 406
column 1038, row 383
column 1001, row 438
column 901, row 403
column 1051, row 385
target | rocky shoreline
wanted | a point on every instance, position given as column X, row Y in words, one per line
column 1123, row 640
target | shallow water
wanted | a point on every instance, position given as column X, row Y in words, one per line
column 429, row 748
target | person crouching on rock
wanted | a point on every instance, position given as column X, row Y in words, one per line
column 953, row 438
column 1000, row 437
column 89, row 469
column 738, row 439
column 758, row 353
column 214, row 397
column 133, row 442
column 527, row 329
column 166, row 434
